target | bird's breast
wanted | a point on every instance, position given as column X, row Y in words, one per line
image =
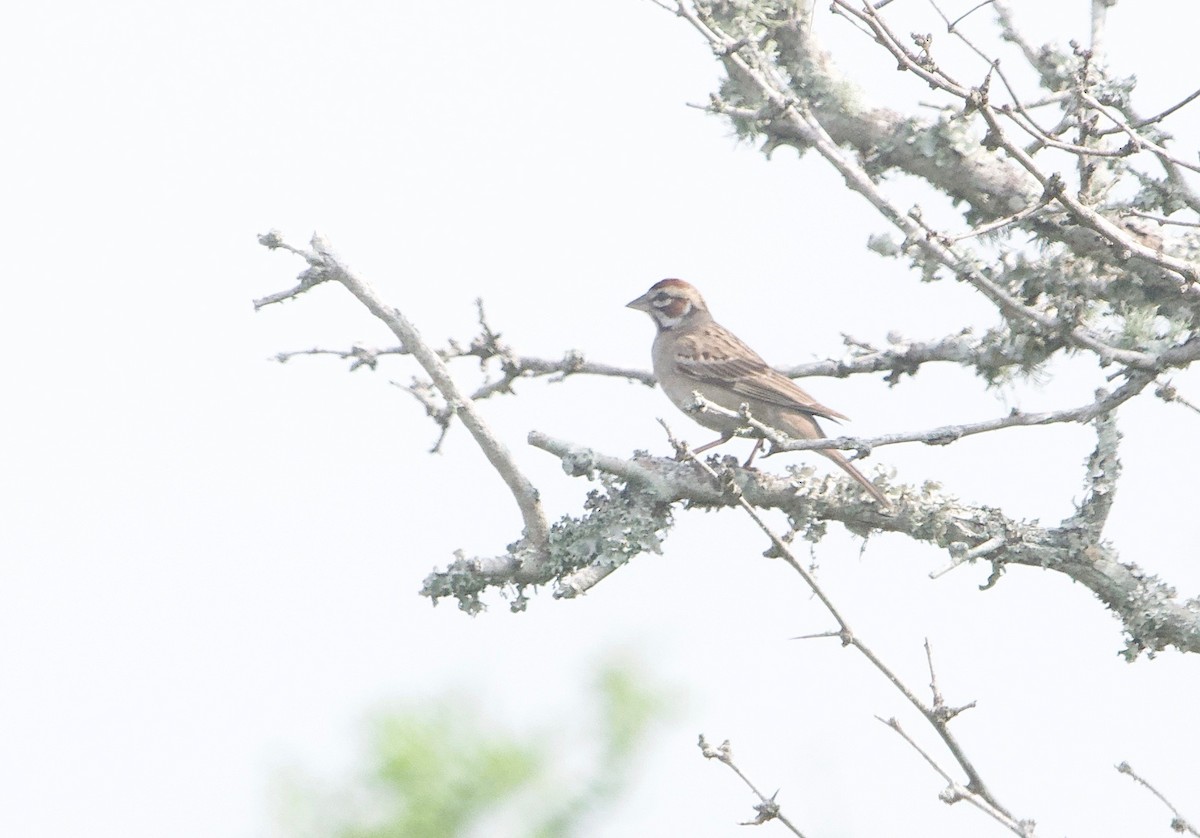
column 680, row 389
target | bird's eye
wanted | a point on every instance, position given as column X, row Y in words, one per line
column 662, row 298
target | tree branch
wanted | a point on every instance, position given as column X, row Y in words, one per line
column 1152, row 615
column 756, row 69
column 1178, row 822
column 976, row 789
column 1105, row 403
column 325, row 267
column 767, row 809
column 944, row 154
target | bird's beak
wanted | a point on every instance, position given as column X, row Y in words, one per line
column 642, row 303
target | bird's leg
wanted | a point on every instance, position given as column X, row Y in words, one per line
column 758, row 444
column 724, row 439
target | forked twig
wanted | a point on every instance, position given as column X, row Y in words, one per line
column 767, row 808
column 975, row 788
column 324, row 267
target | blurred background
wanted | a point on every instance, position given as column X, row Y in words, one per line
column 209, row 561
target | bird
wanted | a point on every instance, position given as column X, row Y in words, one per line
column 693, row 353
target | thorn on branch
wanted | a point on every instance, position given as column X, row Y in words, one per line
column 768, row 810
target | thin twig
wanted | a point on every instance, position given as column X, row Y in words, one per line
column 323, row 267
column 976, row 785
column 767, row 808
column 999, row 223
column 1178, row 822
column 977, row 99
column 955, row 792
column 1158, row 219
column 1084, row 214
column 805, row 124
column 950, row 27
column 945, row 435
column 1159, row 117
column 1136, row 140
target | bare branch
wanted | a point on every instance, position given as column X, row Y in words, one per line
column 1158, row 218
column 324, row 267
column 952, row 26
column 1084, row 214
column 767, row 808
column 955, row 792
column 757, row 69
column 1178, row 822
column 989, row 354
column 1104, row 403
column 999, row 223
column 976, row 99
column 484, row 347
column 938, row 719
column 957, row 165
column 1136, row 140
column 1160, row 116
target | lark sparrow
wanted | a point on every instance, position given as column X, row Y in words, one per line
column 693, row 353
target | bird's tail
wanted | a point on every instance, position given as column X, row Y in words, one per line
column 844, row 464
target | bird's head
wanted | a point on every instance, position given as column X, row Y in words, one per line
column 670, row 302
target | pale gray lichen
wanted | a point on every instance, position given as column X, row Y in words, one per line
column 619, row 522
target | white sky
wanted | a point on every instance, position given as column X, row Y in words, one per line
column 209, row 562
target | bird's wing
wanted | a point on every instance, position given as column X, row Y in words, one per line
column 716, row 356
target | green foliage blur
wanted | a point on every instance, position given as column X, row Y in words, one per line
column 444, row 768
